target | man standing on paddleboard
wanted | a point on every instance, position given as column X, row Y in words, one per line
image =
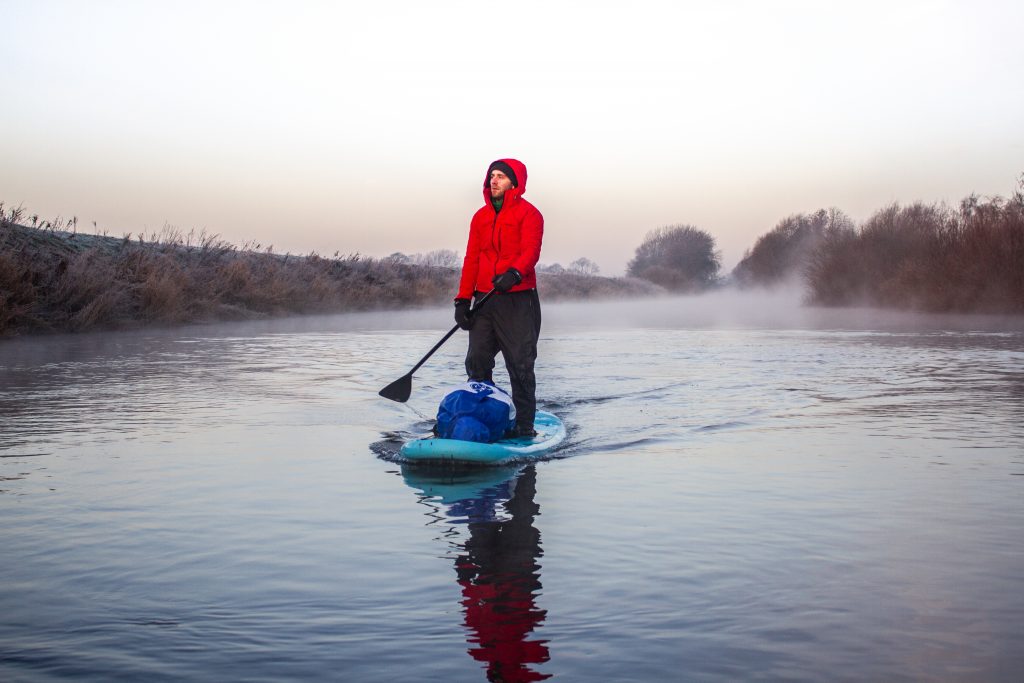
column 504, row 247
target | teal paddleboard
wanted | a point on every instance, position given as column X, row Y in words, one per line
column 550, row 433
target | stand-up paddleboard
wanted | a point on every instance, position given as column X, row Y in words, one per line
column 550, row 433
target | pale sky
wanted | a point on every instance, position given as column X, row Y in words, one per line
column 367, row 126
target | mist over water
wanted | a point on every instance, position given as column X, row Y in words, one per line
column 751, row 489
column 780, row 308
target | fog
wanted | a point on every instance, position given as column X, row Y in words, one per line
column 730, row 308
column 724, row 309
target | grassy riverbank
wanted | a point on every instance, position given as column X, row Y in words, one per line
column 54, row 279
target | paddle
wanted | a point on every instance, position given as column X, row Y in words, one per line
column 401, row 388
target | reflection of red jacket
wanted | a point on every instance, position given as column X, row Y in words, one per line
column 500, row 578
column 502, row 614
column 507, row 239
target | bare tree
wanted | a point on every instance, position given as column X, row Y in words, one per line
column 584, row 266
column 677, row 257
column 786, row 251
column 439, row 258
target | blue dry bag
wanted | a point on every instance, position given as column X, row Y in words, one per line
column 475, row 411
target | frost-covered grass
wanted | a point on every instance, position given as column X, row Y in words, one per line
column 55, row 279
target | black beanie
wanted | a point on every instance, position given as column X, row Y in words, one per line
column 504, row 168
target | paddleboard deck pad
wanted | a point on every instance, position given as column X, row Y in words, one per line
column 430, row 449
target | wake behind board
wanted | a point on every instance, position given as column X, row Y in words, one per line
column 550, row 433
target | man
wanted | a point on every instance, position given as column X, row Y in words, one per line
column 503, row 250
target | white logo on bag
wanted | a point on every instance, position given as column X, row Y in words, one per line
column 493, row 392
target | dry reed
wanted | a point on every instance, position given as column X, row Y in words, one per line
column 54, row 279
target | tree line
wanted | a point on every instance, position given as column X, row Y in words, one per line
column 928, row 257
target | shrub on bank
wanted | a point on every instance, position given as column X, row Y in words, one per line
column 680, row 258
column 783, row 254
column 927, row 257
column 566, row 286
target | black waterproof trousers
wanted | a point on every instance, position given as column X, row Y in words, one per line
column 509, row 323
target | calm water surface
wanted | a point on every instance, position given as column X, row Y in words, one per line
column 749, row 492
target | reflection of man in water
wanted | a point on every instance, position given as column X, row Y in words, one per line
column 500, row 576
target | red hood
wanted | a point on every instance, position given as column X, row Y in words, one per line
column 519, row 169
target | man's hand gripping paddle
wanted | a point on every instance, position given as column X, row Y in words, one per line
column 401, row 388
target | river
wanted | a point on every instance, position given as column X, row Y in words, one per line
column 750, row 490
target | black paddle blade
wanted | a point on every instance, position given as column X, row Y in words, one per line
column 399, row 390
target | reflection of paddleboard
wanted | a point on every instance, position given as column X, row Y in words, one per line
column 467, row 494
column 449, row 485
column 550, row 433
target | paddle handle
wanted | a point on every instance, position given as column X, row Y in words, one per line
column 448, row 336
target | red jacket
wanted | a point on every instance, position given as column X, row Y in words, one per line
column 507, row 239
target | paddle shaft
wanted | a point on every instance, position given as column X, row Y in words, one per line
column 448, row 336
column 436, row 347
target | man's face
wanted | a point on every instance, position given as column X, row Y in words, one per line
column 500, row 184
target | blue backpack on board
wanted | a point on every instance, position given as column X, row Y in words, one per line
column 475, row 411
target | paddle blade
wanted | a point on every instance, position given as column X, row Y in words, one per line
column 399, row 390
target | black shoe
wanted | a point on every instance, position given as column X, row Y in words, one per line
column 521, row 432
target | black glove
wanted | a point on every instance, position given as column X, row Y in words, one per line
column 507, row 280
column 462, row 315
